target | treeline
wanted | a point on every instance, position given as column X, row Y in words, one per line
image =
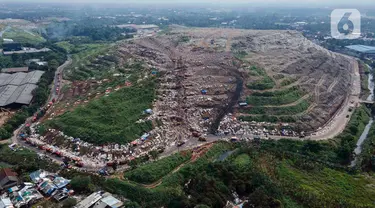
column 24, row 161
column 54, row 58
column 86, row 28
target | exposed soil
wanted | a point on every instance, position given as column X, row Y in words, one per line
column 199, row 76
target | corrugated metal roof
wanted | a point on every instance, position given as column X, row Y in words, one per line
column 16, row 69
column 89, row 201
column 112, row 201
column 18, row 87
column 362, row 48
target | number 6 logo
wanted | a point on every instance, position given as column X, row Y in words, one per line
column 345, row 24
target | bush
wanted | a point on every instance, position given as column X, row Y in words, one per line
column 262, row 84
column 69, row 203
column 82, row 184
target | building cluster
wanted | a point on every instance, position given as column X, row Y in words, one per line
column 16, row 193
column 11, row 47
column 100, row 199
column 44, row 185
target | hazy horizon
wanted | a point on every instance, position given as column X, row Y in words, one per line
column 309, row 3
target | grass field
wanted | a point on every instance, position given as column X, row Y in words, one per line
column 23, row 36
column 279, row 97
column 110, row 119
column 152, row 172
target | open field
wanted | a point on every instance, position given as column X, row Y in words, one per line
column 23, row 36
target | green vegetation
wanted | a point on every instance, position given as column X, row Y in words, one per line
column 18, row 60
column 82, row 184
column 152, row 172
column 265, row 177
column 111, row 119
column 288, row 81
column 23, row 36
column 290, row 110
column 240, row 54
column 24, row 161
column 92, row 31
column 326, row 187
column 279, row 97
column 41, row 94
column 338, row 150
column 268, row 118
column 69, row 202
column 367, row 157
column 348, row 139
column 265, row 82
column 88, row 60
column 262, row 84
column 184, row 39
column 256, row 71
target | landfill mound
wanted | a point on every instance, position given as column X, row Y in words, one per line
column 206, row 73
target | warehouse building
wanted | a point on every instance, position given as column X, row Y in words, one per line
column 15, row 70
column 16, row 89
column 361, row 51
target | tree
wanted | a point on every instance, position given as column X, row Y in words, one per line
column 131, row 204
column 53, row 64
column 4, row 134
column 154, row 154
column 70, row 202
column 82, row 184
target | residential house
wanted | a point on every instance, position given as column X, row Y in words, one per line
column 8, row 178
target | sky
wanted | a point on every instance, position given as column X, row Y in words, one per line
column 220, row 2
